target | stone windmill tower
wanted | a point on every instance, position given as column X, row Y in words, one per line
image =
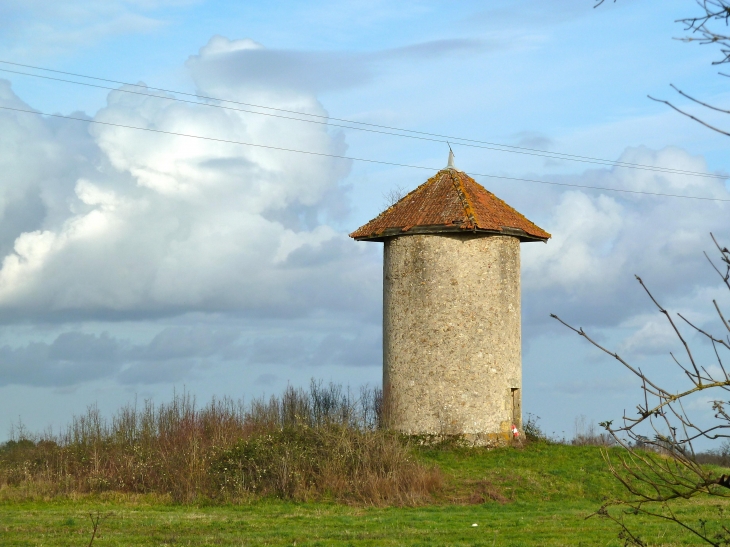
column 452, row 361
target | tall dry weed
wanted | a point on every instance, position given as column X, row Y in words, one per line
column 322, row 443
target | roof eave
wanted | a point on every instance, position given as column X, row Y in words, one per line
column 452, row 229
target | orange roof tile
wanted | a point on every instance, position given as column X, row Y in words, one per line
column 450, row 201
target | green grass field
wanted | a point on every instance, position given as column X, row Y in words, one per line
column 539, row 495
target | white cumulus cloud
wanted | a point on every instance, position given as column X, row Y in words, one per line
column 602, row 239
column 143, row 222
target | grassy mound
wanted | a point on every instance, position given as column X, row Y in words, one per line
column 537, row 472
column 324, row 444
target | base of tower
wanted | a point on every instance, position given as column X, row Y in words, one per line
column 468, row 440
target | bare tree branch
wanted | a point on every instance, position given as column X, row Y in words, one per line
column 706, row 105
column 659, row 463
column 669, row 318
column 690, row 116
column 612, row 354
column 712, row 11
column 714, row 340
column 702, row 29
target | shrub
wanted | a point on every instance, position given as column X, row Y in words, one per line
column 533, row 432
column 332, row 461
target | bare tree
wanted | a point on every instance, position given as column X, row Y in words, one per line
column 706, row 28
column 394, row 195
column 658, row 465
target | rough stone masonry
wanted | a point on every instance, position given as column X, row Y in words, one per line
column 451, row 309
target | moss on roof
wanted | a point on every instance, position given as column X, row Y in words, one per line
column 450, row 201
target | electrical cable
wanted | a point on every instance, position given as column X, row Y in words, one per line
column 550, row 155
column 381, row 162
column 426, row 136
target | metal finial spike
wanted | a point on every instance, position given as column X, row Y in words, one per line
column 451, row 165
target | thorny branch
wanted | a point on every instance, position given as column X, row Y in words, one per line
column 658, row 465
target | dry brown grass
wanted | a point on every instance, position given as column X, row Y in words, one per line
column 485, row 490
column 324, row 443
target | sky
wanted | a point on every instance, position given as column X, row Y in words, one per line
column 137, row 263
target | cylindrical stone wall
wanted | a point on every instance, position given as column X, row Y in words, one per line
column 451, row 335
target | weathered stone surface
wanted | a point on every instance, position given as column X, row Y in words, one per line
column 451, row 335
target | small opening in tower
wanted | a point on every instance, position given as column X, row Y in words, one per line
column 516, row 406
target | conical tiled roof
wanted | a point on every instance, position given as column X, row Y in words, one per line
column 450, row 201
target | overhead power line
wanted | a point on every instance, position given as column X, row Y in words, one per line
column 360, row 126
column 324, row 154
